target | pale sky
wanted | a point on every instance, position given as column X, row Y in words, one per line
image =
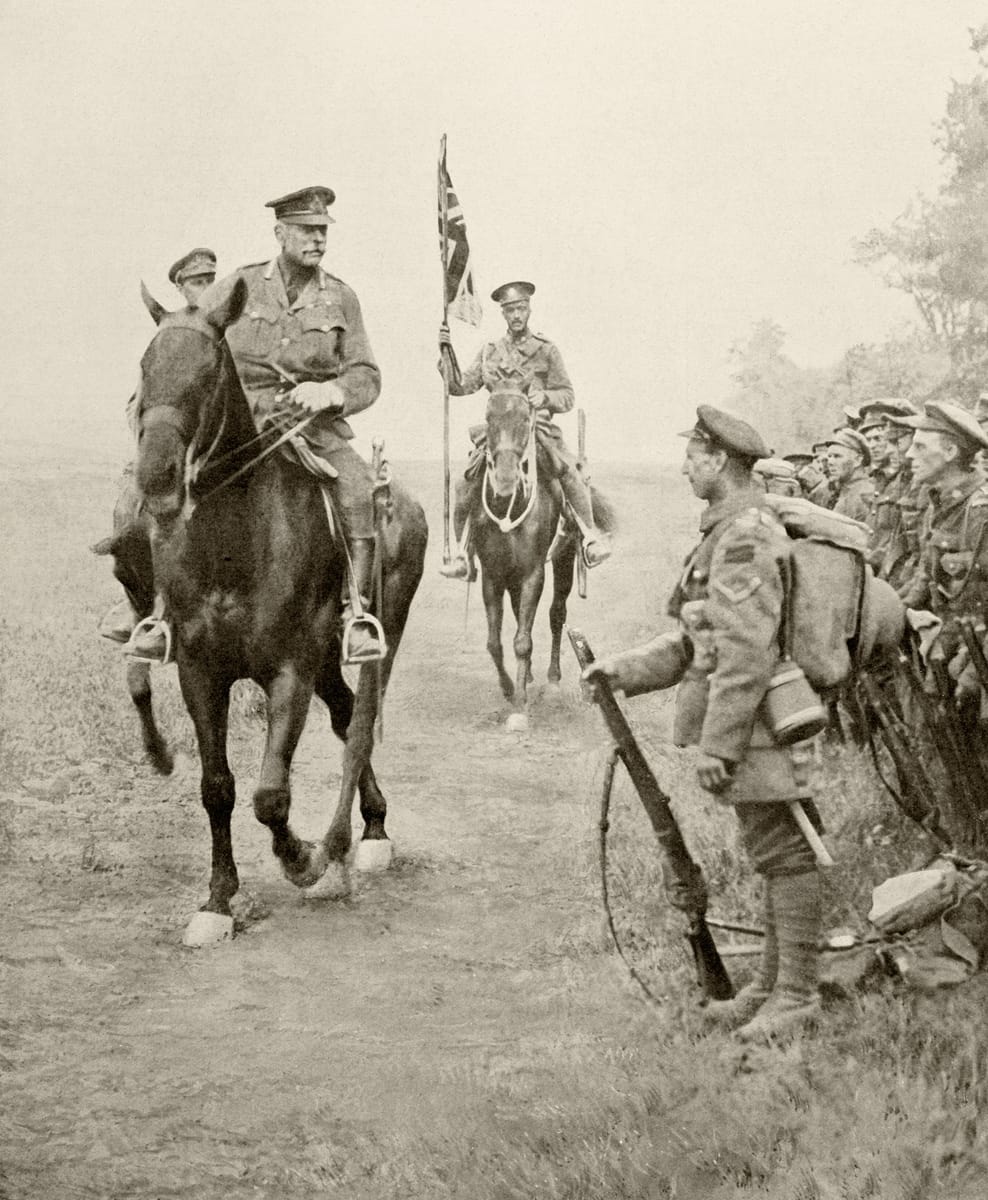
column 667, row 173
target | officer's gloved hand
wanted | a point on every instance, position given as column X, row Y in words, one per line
column 444, row 336
column 604, row 668
column 318, row 397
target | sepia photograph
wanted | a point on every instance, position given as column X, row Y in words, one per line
column 494, row 600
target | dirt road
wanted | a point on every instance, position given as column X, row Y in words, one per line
column 392, row 1045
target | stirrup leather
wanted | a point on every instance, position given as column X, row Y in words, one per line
column 148, row 625
column 374, row 628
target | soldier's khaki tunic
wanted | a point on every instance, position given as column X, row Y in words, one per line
column 317, row 336
column 729, row 604
column 952, row 577
column 887, row 546
column 854, row 496
column 531, row 362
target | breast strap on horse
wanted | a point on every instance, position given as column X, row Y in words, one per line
column 529, row 470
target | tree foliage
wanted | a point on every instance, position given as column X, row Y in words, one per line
column 937, row 250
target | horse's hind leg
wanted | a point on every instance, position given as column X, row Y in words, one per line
column 155, row 746
column 562, row 585
column 207, row 698
column 288, row 706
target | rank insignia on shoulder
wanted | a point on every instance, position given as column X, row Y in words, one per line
column 736, row 595
column 741, row 552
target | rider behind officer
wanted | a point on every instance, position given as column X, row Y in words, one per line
column 191, row 275
column 535, row 365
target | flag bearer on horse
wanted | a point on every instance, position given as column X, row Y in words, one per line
column 534, row 364
column 191, row 275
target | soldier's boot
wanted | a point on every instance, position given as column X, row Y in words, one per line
column 731, row 1013
column 363, row 636
column 118, row 624
column 151, row 639
column 463, row 564
column 795, row 998
column 596, row 545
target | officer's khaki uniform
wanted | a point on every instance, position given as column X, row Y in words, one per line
column 317, row 335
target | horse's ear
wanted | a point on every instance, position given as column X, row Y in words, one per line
column 156, row 310
column 229, row 308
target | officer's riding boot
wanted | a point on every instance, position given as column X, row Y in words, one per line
column 463, row 564
column 363, row 637
column 119, row 622
column 795, row 998
column 151, row 639
column 596, row 544
column 752, row 996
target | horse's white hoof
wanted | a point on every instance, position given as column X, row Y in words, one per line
column 207, row 929
column 333, row 885
column 517, row 723
column 373, row 855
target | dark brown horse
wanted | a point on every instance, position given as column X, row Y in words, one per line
column 251, row 580
column 513, row 532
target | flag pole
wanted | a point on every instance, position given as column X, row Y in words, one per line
column 444, row 235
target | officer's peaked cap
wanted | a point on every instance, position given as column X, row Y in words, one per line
column 799, row 458
column 305, row 207
column 850, row 439
column 201, row 261
column 775, row 468
column 940, row 416
column 510, row 293
column 728, row 432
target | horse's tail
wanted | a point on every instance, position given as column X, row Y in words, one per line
column 604, row 515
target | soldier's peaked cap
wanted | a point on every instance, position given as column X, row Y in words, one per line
column 940, row 416
column 729, row 432
column 305, row 207
column 201, row 261
column 510, row 293
column 850, row 439
column 890, row 406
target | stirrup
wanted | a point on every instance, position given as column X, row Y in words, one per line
column 594, row 551
column 366, row 621
column 150, row 624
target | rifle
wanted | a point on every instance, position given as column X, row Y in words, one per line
column 683, row 879
column 581, row 450
column 917, row 795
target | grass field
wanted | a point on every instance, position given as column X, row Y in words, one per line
column 460, row 1027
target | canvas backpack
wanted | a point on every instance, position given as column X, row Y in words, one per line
column 838, row 614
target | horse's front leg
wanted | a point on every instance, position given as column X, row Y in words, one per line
column 525, row 603
column 207, row 698
column 494, row 604
column 289, row 692
column 562, row 585
column 375, row 850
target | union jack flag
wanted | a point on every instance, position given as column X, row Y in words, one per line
column 461, row 292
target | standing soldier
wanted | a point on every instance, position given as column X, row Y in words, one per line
column 536, row 366
column 951, row 579
column 822, row 491
column 847, row 460
column 729, row 604
column 887, row 546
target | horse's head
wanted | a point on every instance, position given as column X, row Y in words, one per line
column 509, row 428
column 181, row 396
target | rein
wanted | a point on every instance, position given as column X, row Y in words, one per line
column 529, row 486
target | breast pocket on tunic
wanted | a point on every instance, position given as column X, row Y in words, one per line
column 259, row 333
column 322, row 331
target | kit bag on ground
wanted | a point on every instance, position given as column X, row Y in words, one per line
column 840, row 614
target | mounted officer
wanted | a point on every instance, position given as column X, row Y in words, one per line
column 300, row 347
column 191, row 275
column 533, row 363
column 729, row 604
column 847, row 461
